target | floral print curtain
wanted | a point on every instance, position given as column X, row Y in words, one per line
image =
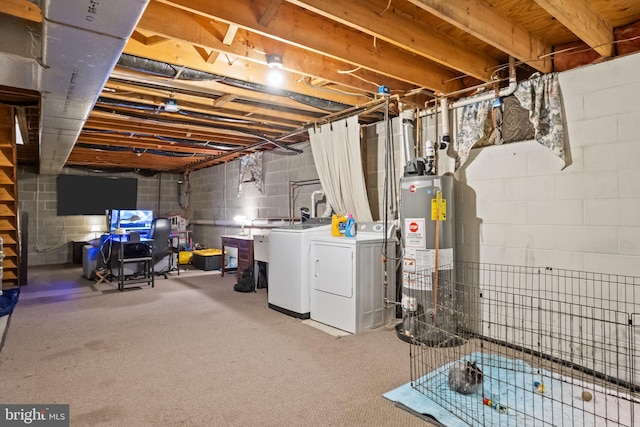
column 472, row 121
column 540, row 95
column 251, row 171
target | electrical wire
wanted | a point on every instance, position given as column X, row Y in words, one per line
column 350, row 72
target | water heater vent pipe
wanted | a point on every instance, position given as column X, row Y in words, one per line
column 408, row 117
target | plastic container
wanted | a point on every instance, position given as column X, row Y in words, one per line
column 350, row 227
column 207, row 259
column 338, row 225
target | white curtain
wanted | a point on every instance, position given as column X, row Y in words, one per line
column 336, row 153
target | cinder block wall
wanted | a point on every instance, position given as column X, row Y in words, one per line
column 516, row 205
column 50, row 235
column 214, row 193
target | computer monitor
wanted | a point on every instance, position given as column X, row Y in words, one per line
column 130, row 220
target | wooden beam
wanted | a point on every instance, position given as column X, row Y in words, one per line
column 489, row 25
column 223, row 100
column 314, row 38
column 209, row 57
column 149, row 41
column 583, row 21
column 406, row 33
column 185, row 55
column 153, row 40
column 139, row 37
column 270, row 11
column 22, row 9
column 230, row 35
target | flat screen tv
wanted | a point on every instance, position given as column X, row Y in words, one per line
column 94, row 195
column 130, row 219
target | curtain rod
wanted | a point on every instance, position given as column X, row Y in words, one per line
column 349, row 112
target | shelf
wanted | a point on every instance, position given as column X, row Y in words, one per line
column 144, row 276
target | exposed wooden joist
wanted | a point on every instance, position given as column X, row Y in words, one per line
column 107, row 121
column 313, row 33
column 223, row 105
column 267, row 16
column 95, row 158
column 22, row 9
column 406, row 34
column 211, row 90
column 489, row 25
column 223, row 100
column 230, row 35
column 209, row 57
column 185, row 28
column 147, row 40
column 583, row 21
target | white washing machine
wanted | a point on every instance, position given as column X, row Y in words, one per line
column 346, row 276
column 288, row 261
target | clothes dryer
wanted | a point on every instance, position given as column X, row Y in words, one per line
column 346, row 276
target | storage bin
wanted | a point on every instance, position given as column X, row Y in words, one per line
column 207, row 259
column 184, row 257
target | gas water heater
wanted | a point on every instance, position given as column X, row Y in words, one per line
column 427, row 221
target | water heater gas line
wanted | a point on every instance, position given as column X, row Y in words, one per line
column 437, row 216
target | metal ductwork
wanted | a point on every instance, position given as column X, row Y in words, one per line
column 81, row 43
column 19, row 48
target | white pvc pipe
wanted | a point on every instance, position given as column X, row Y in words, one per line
column 258, row 223
column 505, row 91
column 406, row 125
column 444, row 108
column 313, row 202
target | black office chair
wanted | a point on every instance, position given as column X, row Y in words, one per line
column 160, row 231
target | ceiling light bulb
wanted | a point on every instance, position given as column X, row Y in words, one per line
column 275, row 78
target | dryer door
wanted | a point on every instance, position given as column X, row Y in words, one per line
column 332, row 280
column 332, row 269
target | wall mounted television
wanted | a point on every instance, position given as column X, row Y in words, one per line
column 94, row 195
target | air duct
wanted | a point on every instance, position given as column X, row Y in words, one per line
column 19, row 48
column 80, row 47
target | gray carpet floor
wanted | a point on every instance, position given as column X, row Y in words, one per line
column 191, row 351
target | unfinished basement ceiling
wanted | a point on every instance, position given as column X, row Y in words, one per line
column 181, row 85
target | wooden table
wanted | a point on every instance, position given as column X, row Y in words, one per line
column 244, row 244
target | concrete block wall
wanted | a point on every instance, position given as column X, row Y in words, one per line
column 50, row 235
column 517, row 205
column 215, row 195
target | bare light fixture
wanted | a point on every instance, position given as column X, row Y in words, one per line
column 274, row 61
column 171, row 105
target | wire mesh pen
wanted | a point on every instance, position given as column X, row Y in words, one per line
column 552, row 347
